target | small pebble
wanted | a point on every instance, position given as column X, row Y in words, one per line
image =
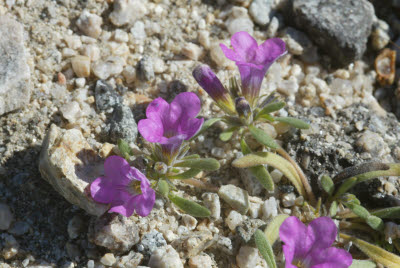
column 81, row 65
column 90, row 24
column 108, row 259
column 6, row 217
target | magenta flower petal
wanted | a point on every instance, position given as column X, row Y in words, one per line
column 189, row 104
column 119, row 188
column 253, row 61
column 298, row 241
column 213, row 86
column 310, row 247
column 156, row 109
column 331, row 258
column 102, row 191
column 324, row 230
column 152, row 130
column 244, row 45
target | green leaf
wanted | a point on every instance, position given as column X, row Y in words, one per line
column 263, row 137
column 362, row 264
column 192, row 156
column 387, row 213
column 185, row 175
column 349, row 199
column 272, row 230
column 375, row 223
column 266, row 117
column 376, row 253
column 209, row 164
column 227, row 134
column 360, row 211
column 260, row 172
column 206, row 125
column 189, row 207
column 163, row 187
column 333, row 209
column 265, row 248
column 272, row 107
column 297, row 123
column 327, row 184
column 345, row 186
column 274, row 160
column 124, row 148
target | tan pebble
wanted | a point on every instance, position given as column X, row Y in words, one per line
column 81, row 65
column 90, row 100
column 61, row 79
column 140, row 99
column 192, row 51
column 106, row 149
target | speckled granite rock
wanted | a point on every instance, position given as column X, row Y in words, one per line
column 15, row 88
column 69, row 164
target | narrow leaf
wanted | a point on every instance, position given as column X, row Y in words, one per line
column 206, row 125
column 265, row 248
column 189, row 207
column 387, row 213
column 376, row 253
column 272, row 230
column 297, row 123
column 375, row 223
column 272, row 107
column 163, row 187
column 245, row 148
column 124, row 148
column 185, row 175
column 192, row 156
column 362, row 264
column 358, row 210
column 333, row 209
column 345, row 186
column 263, row 137
column 274, row 160
column 327, row 184
column 227, row 134
column 208, row 164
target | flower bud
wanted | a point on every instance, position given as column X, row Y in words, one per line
column 213, row 86
column 243, row 107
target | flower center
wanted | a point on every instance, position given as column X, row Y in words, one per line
column 134, row 187
column 300, row 263
column 169, row 133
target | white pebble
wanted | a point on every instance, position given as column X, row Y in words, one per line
column 90, row 24
column 269, row 208
column 234, row 219
column 81, row 65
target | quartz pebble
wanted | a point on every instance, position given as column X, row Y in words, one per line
column 236, row 197
column 288, row 200
column 200, row 261
column 269, row 208
column 259, row 10
column 132, row 260
column 71, row 111
column 217, row 55
column 239, row 21
column 81, row 65
column 129, row 74
column 204, row 38
column 234, row 219
column 192, row 51
column 189, row 221
column 127, row 11
column 121, row 36
column 145, row 69
column 108, row 259
column 165, row 257
column 92, row 51
column 211, row 201
column 6, row 217
column 249, row 257
column 138, row 31
column 90, row 24
column 113, row 65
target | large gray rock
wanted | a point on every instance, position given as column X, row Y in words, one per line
column 69, row 164
column 15, row 88
column 340, row 28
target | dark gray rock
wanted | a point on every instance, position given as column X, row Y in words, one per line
column 19, row 228
column 106, row 96
column 144, row 69
column 114, row 232
column 121, row 125
column 340, row 28
column 150, row 242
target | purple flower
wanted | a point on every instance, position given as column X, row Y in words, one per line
column 124, row 187
column 213, row 86
column 253, row 60
column 170, row 124
column 310, row 246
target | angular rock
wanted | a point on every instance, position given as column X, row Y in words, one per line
column 132, row 260
column 121, row 125
column 127, row 11
column 15, row 87
column 247, row 229
column 340, row 28
column 114, row 232
column 165, row 257
column 194, row 243
column 236, row 197
column 150, row 242
column 106, row 96
column 259, row 10
column 69, row 164
column 249, row 257
column 145, row 69
column 90, row 24
column 211, row 201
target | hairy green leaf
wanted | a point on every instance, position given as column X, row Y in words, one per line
column 124, row 148
column 387, row 213
column 327, row 184
column 265, row 248
column 362, row 264
column 272, row 107
column 163, row 187
column 263, row 137
column 297, row 123
column 272, row 230
column 208, row 164
column 185, row 175
column 227, row 134
column 189, row 207
column 333, row 209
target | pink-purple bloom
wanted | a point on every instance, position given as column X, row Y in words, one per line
column 213, row 86
column 124, row 187
column 253, row 60
column 311, row 246
column 171, row 124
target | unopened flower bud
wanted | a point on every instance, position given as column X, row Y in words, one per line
column 160, row 167
column 242, row 107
